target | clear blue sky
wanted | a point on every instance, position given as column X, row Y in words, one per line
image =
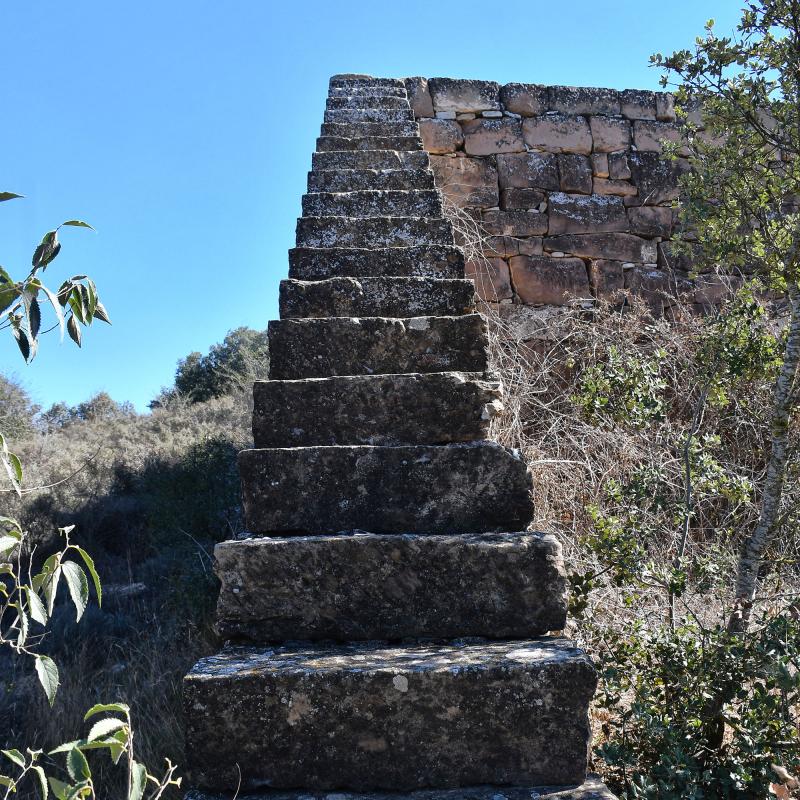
column 183, row 130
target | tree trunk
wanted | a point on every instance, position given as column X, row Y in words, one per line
column 756, row 544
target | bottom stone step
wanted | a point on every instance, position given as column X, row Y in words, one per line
column 591, row 789
column 368, row 716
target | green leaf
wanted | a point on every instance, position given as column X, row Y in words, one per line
column 56, row 307
column 138, row 780
column 101, row 313
column 105, row 726
column 38, row 611
column 42, row 780
column 78, row 586
column 87, row 559
column 77, row 223
column 7, row 545
column 9, row 196
column 114, row 708
column 47, row 671
column 77, row 765
column 59, row 788
column 33, row 314
column 65, row 748
column 22, row 340
column 8, row 782
column 73, row 329
column 9, row 291
column 14, row 756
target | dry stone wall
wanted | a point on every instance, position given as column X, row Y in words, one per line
column 569, row 186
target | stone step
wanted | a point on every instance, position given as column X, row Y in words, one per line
column 371, row 102
column 360, row 130
column 321, row 348
column 406, row 143
column 366, row 716
column 353, row 180
column 374, row 203
column 376, row 297
column 425, row 261
column 591, row 789
column 358, row 586
column 350, row 115
column 373, row 232
column 456, row 488
column 344, row 81
column 408, row 409
column 368, row 91
column 370, row 159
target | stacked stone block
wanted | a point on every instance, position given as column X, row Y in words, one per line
column 386, row 613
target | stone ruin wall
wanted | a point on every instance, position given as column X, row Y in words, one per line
column 570, row 189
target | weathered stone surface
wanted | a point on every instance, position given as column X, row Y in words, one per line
column 578, row 213
column 655, row 286
column 507, row 246
column 512, row 199
column 384, row 115
column 527, row 99
column 575, row 173
column 651, row 221
column 514, row 223
column 355, row 130
column 604, row 186
column 558, row 133
column 368, row 91
column 347, row 102
column 319, row 348
column 374, row 203
column 485, row 137
column 375, row 159
column 583, row 100
column 610, row 134
column 348, row 81
column 453, row 488
column 398, row 231
column 353, row 180
column 608, row 278
column 419, row 96
column 656, row 178
column 425, row 261
column 618, row 166
column 441, row 135
column 375, row 297
column 466, row 181
column 665, row 107
column 529, row 171
column 591, row 789
column 497, row 585
column 648, row 136
column 600, row 164
column 552, row 281
column 406, row 409
column 405, row 143
column 638, row 104
column 452, row 94
column 366, row 716
column 612, row 246
column 491, row 278
column 529, row 324
column 673, row 258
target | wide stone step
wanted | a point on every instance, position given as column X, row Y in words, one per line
column 591, row 789
column 374, row 409
column 376, row 297
column 368, row 91
column 359, row 586
column 320, row 348
column 426, row 261
column 366, row 716
column 353, row 180
column 456, row 488
column 352, row 130
column 374, row 203
column 407, row 143
column 370, row 159
column 344, row 115
column 397, row 231
column 348, row 81
column 370, row 102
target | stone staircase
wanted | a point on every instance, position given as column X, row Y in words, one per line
column 385, row 631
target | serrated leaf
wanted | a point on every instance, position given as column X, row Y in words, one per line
column 56, row 307
column 42, row 781
column 77, row 765
column 23, row 624
column 103, row 727
column 47, row 671
column 78, row 586
column 59, row 788
column 15, row 757
column 9, row 196
column 114, row 708
column 65, row 748
column 10, row 783
column 101, row 313
column 77, row 223
column 33, row 314
column 38, row 611
column 87, row 559
column 73, row 329
column 22, row 340
column 138, row 781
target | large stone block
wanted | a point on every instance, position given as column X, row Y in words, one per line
column 319, row 348
column 372, row 232
column 453, row 94
column 437, row 408
column 354, row 180
column 368, row 91
column 648, row 136
column 387, row 103
column 366, row 716
column 656, row 178
column 651, row 221
column 579, row 213
column 453, row 488
column 419, row 96
column 405, row 143
column 376, row 297
column 583, row 100
column 513, row 199
column 374, row 203
column 541, row 280
column 359, row 129
column 608, row 279
column 485, row 137
column 349, row 115
column 370, row 159
column 612, row 246
column 575, row 172
column 491, row 278
column 610, row 134
column 529, row 171
column 441, row 135
column 496, row 585
column 638, row 104
column 527, row 99
column 514, row 223
column 351, row 81
column 466, row 181
column 425, row 261
column 558, row 133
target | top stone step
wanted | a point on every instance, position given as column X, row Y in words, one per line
column 355, row 81
column 356, row 102
column 368, row 91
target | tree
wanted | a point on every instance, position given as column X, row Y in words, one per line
column 17, row 410
column 740, row 207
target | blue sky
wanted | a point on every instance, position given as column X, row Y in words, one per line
column 183, row 131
